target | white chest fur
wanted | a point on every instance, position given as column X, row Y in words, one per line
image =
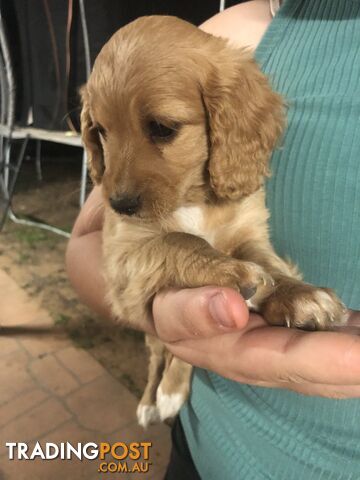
column 192, row 220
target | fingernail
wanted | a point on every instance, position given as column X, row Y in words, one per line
column 219, row 311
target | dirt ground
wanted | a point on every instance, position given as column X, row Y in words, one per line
column 35, row 259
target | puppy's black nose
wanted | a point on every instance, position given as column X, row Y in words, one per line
column 125, row 204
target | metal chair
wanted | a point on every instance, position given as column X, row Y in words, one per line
column 9, row 133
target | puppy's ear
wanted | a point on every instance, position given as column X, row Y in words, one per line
column 91, row 140
column 245, row 121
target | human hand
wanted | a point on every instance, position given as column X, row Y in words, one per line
column 242, row 347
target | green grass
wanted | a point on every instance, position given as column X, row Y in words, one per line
column 23, row 258
column 61, row 319
column 82, row 341
column 33, row 237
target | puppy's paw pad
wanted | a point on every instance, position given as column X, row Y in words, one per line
column 147, row 415
column 169, row 404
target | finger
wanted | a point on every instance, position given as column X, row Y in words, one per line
column 198, row 312
column 312, row 389
column 277, row 355
column 327, row 391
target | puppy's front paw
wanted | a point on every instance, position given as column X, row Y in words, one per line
column 300, row 305
column 248, row 278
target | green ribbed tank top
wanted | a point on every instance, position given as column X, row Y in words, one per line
column 311, row 52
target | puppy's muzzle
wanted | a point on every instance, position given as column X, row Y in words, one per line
column 126, row 205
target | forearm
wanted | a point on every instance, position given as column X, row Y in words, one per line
column 84, row 264
column 84, row 268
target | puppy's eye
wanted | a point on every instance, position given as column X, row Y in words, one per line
column 160, row 132
column 101, row 130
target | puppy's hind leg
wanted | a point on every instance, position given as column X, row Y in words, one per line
column 147, row 412
column 174, row 388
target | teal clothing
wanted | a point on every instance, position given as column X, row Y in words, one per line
column 311, row 53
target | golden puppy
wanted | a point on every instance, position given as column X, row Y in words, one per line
column 179, row 128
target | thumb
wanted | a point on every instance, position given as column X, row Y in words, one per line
column 198, row 312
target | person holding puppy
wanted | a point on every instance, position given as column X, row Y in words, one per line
column 272, row 406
